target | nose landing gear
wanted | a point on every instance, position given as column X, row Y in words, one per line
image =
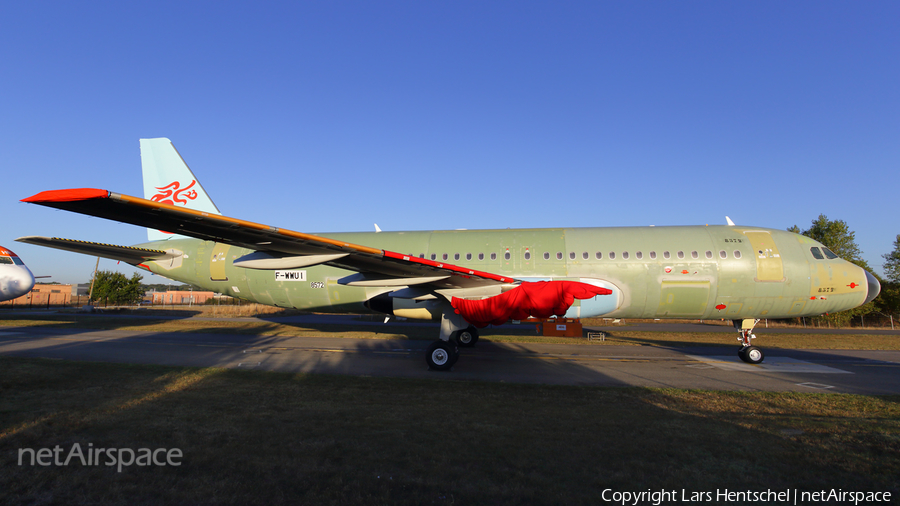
column 748, row 353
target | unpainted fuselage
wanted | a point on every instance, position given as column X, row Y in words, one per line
column 703, row 272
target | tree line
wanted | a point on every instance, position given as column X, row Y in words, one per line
column 114, row 288
column 837, row 236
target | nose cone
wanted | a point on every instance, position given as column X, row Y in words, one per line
column 874, row 287
column 15, row 281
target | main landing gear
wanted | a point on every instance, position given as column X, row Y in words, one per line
column 443, row 354
column 466, row 337
column 748, row 353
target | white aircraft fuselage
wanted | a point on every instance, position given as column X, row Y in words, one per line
column 15, row 278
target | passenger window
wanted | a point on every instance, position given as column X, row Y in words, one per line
column 666, row 255
column 639, row 255
column 546, row 255
column 598, row 255
column 468, row 256
column 695, row 255
column 681, row 254
column 559, row 255
column 625, row 255
column 585, row 255
column 722, row 254
column 493, row 256
column 828, row 253
column 434, row 256
column 571, row 255
column 456, row 256
column 709, row 254
column 506, row 255
column 444, row 256
column 653, row 255
column 737, row 254
column 612, row 255
column 481, row 256
column 421, row 255
column 527, row 255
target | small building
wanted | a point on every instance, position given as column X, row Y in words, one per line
column 44, row 295
column 180, row 297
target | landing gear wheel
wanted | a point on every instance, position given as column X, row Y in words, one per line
column 466, row 337
column 751, row 354
column 442, row 355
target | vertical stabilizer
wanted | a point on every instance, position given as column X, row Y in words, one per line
column 169, row 180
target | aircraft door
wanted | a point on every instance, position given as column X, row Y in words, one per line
column 769, row 266
column 217, row 262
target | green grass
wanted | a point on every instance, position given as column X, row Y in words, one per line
column 253, row 437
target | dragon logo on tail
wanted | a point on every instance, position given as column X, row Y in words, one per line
column 173, row 194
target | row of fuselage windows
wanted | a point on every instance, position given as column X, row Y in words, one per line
column 818, row 253
column 599, row 255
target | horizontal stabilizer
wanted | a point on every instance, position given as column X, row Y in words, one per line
column 126, row 254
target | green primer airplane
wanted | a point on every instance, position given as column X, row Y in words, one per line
column 466, row 279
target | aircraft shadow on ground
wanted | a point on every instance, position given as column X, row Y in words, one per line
column 400, row 354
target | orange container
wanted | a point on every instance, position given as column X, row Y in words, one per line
column 565, row 327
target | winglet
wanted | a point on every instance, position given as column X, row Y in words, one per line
column 728, row 220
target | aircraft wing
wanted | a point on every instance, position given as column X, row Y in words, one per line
column 126, row 254
column 277, row 247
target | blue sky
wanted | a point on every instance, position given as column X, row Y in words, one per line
column 332, row 116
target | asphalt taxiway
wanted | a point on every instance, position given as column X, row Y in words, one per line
column 715, row 368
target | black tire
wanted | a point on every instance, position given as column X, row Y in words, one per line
column 466, row 338
column 751, row 355
column 442, row 355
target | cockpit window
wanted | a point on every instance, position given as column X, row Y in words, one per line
column 18, row 261
column 6, row 260
column 816, row 253
column 828, row 253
